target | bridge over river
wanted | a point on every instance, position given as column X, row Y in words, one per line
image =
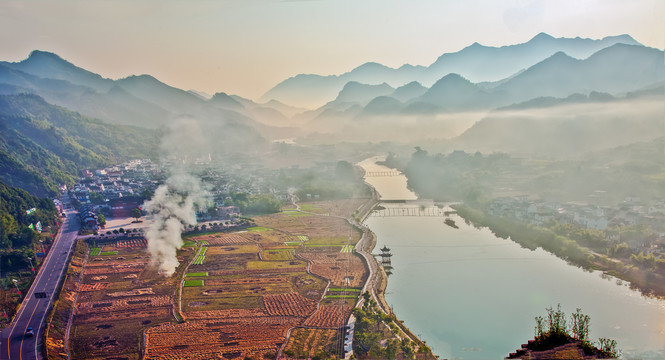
column 410, row 211
column 382, row 173
column 420, row 207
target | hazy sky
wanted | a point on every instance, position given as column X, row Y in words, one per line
column 245, row 47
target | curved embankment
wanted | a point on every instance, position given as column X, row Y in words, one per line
column 377, row 280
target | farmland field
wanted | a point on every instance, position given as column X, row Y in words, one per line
column 197, row 274
column 278, row 254
column 307, row 343
column 191, row 283
column 329, row 316
column 119, row 297
column 241, row 292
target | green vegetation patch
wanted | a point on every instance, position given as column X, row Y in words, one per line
column 107, row 253
column 294, row 213
column 341, row 296
column 201, row 273
column 323, row 246
column 95, row 251
column 312, row 208
column 278, row 254
column 258, row 229
column 330, row 240
column 201, row 255
column 192, row 283
column 347, row 289
column 303, row 238
column 292, row 243
column 189, row 244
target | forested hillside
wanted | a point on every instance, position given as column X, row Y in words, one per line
column 16, row 216
column 42, row 145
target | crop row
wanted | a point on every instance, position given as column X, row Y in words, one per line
column 201, row 255
column 152, row 313
column 342, row 269
column 329, row 316
column 221, row 239
column 227, row 314
column 206, row 339
column 137, row 302
column 347, row 248
column 114, row 269
column 131, row 243
column 289, row 304
column 94, row 286
column 247, row 281
column 256, row 271
column 307, row 343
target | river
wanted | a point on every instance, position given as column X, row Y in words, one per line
column 471, row 295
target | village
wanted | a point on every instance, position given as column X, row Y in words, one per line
column 119, row 191
column 284, row 283
column 632, row 215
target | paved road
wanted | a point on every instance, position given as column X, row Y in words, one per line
column 32, row 313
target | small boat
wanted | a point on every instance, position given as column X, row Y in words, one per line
column 451, row 223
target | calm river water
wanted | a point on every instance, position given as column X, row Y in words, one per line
column 471, row 295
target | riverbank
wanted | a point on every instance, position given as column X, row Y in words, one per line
column 377, row 283
column 378, row 279
column 647, row 282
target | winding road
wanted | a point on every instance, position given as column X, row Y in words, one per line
column 34, row 309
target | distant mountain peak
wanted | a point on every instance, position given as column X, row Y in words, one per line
column 623, row 38
column 222, row 98
column 37, row 54
column 142, row 77
column 371, row 65
column 359, row 85
column 542, row 37
column 560, row 56
column 453, row 78
column 476, row 46
column 38, row 58
column 412, row 84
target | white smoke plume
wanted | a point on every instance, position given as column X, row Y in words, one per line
column 173, row 208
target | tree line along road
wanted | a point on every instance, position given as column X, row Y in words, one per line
column 14, row 344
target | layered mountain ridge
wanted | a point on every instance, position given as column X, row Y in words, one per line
column 476, row 62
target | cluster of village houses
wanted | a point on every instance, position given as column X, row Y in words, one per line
column 122, row 188
column 631, row 211
column 119, row 187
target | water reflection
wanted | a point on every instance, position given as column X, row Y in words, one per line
column 472, row 295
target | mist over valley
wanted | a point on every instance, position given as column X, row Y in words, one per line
column 210, row 224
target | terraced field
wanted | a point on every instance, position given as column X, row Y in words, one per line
column 120, row 296
column 241, row 292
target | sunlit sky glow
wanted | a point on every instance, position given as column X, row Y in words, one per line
column 245, row 47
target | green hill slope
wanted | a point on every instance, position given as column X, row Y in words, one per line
column 42, row 145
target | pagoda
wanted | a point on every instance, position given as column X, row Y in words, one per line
column 385, row 259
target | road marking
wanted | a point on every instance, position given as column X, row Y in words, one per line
column 51, row 259
column 20, row 350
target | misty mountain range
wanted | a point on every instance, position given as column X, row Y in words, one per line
column 477, row 77
column 615, row 70
column 601, row 93
column 477, row 63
